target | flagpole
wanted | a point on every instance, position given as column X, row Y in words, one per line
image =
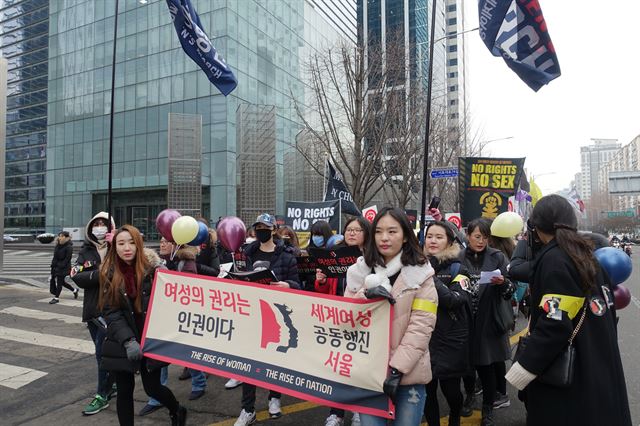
column 113, row 86
column 425, row 165
column 324, row 178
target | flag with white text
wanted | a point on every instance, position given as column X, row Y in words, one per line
column 197, row 45
column 337, row 190
column 517, row 31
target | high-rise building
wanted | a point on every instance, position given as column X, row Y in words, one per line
column 592, row 158
column 625, row 159
column 24, row 42
column 456, row 88
column 265, row 43
column 341, row 15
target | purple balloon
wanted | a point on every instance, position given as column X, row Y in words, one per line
column 621, row 297
column 231, row 233
column 164, row 222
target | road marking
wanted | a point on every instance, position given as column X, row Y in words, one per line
column 635, row 301
column 49, row 340
column 41, row 315
column 23, row 287
column 14, row 377
column 264, row 415
column 514, row 339
column 65, row 302
column 19, row 252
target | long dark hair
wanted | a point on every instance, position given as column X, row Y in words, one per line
column 554, row 215
column 411, row 251
column 504, row 244
column 366, row 229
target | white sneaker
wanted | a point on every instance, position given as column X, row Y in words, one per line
column 232, row 384
column 274, row 408
column 333, row 420
column 355, row 420
column 245, row 418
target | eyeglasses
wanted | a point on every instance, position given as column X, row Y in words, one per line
column 480, row 237
column 353, row 231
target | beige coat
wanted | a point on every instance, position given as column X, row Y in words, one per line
column 414, row 317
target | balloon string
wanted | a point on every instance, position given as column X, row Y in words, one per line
column 175, row 250
column 233, row 258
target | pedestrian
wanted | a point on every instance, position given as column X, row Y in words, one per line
column 320, row 234
column 289, row 238
column 126, row 279
column 449, row 345
column 92, row 253
column 61, row 267
column 357, row 232
column 268, row 254
column 489, row 343
column 402, row 274
column 570, row 296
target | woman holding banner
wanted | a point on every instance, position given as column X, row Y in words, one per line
column 125, row 289
column 356, row 233
column 394, row 267
column 489, row 343
column 449, row 345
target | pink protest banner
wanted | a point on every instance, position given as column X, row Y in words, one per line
column 326, row 349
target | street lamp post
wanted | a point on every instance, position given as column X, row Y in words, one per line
column 485, row 143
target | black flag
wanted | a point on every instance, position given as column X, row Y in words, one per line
column 337, row 190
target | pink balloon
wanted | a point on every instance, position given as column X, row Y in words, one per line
column 164, row 222
column 231, row 233
column 621, row 297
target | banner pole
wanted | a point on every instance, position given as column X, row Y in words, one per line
column 324, row 178
column 111, row 112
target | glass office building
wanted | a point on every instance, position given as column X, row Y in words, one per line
column 24, row 26
column 264, row 42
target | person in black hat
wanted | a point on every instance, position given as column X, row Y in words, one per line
column 61, row 266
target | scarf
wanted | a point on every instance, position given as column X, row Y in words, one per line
column 382, row 273
column 129, row 274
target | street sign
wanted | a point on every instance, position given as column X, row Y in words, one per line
column 448, row 172
column 625, row 213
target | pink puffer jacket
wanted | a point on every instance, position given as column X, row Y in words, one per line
column 414, row 317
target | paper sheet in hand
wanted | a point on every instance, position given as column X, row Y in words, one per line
column 485, row 276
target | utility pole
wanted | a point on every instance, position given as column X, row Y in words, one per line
column 3, row 129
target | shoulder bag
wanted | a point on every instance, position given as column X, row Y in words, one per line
column 560, row 372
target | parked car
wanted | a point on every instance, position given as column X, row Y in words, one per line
column 9, row 238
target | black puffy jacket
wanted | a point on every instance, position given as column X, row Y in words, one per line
column 89, row 259
column 449, row 345
column 61, row 262
column 283, row 264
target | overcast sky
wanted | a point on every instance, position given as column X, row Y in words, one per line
column 597, row 95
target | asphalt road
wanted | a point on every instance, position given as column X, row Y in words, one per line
column 47, row 370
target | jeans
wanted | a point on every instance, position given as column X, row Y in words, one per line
column 164, row 378
column 105, row 380
column 410, row 401
column 198, row 380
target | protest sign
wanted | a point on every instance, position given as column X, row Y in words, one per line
column 307, row 265
column 485, row 185
column 301, row 215
column 263, row 276
column 337, row 190
column 326, row 349
column 335, row 262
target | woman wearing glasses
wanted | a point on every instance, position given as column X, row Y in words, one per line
column 489, row 345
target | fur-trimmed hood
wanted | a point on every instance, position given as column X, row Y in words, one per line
column 152, row 257
column 450, row 253
column 360, row 273
column 187, row 253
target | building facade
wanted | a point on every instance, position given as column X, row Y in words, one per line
column 456, row 86
column 266, row 45
column 625, row 159
column 24, row 27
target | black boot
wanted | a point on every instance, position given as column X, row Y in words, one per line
column 487, row 416
column 454, row 420
column 180, row 417
column 467, row 405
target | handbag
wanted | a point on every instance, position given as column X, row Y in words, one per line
column 503, row 315
column 560, row 372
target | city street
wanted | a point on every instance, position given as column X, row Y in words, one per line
column 48, row 372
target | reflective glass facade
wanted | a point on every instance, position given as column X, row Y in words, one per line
column 24, row 26
column 265, row 43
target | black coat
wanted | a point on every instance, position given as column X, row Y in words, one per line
column 207, row 261
column 598, row 394
column 89, row 259
column 121, row 327
column 449, row 344
column 519, row 267
column 284, row 264
column 488, row 344
column 61, row 262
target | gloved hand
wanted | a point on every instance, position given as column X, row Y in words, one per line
column 379, row 291
column 134, row 353
column 390, row 386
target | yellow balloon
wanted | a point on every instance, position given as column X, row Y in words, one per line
column 507, row 225
column 184, row 229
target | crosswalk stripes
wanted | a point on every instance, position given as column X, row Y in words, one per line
column 17, row 376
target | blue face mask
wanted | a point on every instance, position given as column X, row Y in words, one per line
column 318, row 240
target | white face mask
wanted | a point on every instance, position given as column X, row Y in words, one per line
column 249, row 240
column 99, row 232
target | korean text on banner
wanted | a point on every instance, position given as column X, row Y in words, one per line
column 327, row 349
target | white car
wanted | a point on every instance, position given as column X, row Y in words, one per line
column 9, row 239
